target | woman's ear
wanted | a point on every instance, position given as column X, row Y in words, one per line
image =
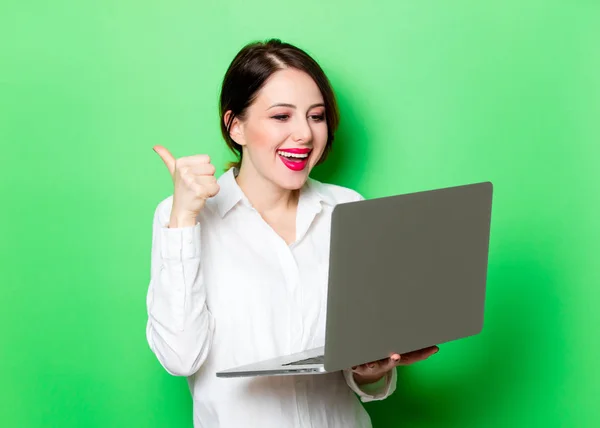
column 235, row 130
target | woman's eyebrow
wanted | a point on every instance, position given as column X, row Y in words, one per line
column 293, row 106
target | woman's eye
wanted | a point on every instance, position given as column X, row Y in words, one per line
column 316, row 117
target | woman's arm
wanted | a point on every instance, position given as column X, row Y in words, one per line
column 180, row 326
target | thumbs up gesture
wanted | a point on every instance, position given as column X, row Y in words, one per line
column 193, row 181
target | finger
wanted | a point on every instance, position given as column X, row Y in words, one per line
column 203, row 169
column 386, row 365
column 358, row 369
column 419, row 355
column 391, row 363
column 206, row 191
column 362, row 370
column 395, row 358
column 193, row 160
column 212, row 189
column 376, row 370
column 370, row 367
column 167, row 158
column 201, row 191
column 208, row 181
column 426, row 352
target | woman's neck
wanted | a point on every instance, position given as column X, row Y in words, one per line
column 264, row 195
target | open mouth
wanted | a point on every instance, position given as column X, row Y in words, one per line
column 294, row 159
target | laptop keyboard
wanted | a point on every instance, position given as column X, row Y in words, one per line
column 314, row 360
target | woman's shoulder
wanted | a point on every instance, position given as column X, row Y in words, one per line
column 334, row 193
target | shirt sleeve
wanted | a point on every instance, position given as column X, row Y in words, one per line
column 358, row 197
column 180, row 326
column 373, row 391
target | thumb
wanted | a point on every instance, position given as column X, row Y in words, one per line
column 394, row 360
column 167, row 158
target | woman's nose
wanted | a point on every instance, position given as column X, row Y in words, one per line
column 302, row 131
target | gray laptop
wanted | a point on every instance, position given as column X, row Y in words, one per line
column 405, row 272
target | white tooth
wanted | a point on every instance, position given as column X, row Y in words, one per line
column 293, row 155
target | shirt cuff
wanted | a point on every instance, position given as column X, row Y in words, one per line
column 180, row 243
column 379, row 390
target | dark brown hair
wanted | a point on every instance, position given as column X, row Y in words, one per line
column 249, row 71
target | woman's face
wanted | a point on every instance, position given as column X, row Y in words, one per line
column 285, row 131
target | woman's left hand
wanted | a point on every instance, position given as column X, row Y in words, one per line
column 373, row 371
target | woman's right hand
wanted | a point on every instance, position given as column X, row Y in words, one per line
column 193, row 181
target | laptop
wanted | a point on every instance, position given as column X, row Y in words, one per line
column 406, row 272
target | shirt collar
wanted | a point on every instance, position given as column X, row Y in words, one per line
column 229, row 193
column 311, row 196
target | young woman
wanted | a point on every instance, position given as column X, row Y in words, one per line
column 239, row 264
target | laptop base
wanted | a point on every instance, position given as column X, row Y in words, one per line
column 280, row 366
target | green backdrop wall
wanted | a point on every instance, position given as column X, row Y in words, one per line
column 432, row 94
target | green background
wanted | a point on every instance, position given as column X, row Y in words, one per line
column 432, row 94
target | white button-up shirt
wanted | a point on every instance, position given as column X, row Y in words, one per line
column 229, row 291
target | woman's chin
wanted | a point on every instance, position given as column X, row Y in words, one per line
column 293, row 181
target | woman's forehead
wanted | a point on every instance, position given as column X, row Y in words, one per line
column 292, row 89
